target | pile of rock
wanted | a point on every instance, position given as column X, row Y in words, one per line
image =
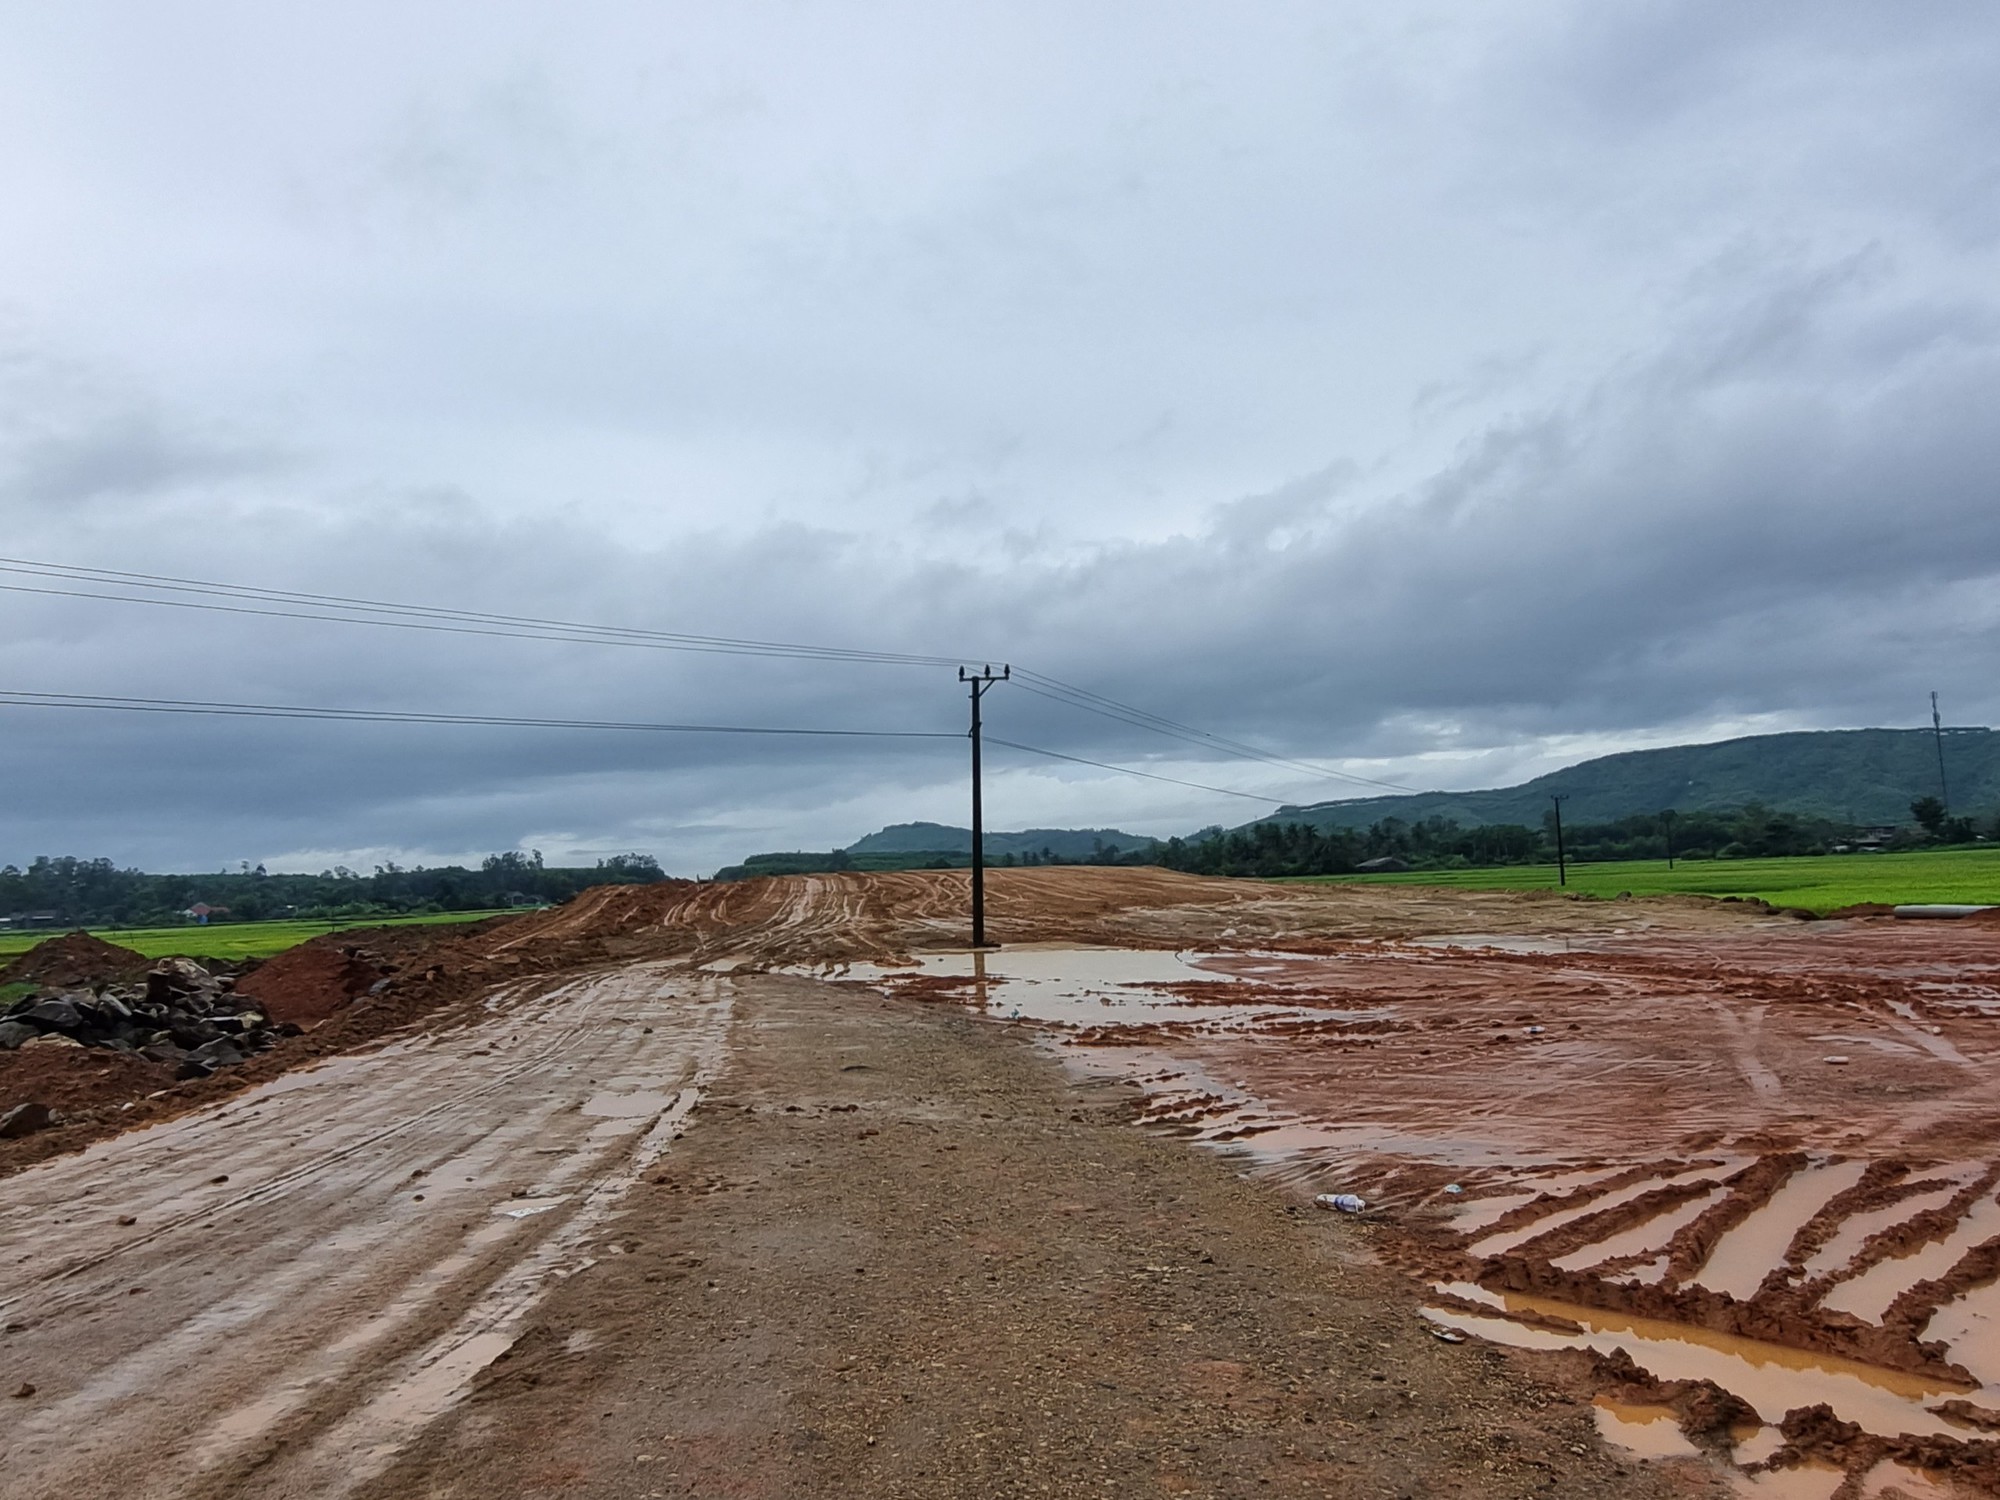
column 183, row 1016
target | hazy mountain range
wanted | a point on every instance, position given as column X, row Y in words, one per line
column 1860, row 776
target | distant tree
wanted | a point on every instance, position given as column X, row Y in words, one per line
column 1930, row 813
column 635, row 867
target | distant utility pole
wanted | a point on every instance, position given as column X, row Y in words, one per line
column 980, row 681
column 1937, row 733
column 1562, row 864
column 1667, row 825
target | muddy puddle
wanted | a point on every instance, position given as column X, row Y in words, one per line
column 1632, row 1146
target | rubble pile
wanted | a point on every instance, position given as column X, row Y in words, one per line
column 182, row 1015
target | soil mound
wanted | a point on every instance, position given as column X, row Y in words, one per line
column 76, row 961
column 306, row 984
column 67, row 1079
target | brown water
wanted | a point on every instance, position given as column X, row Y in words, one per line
column 1528, row 1074
column 1747, row 1253
column 1770, row 1377
column 1650, row 1431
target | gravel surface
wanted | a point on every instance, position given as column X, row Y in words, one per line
column 899, row 1252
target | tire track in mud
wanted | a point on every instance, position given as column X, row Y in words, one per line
column 407, row 1207
column 1724, row 1150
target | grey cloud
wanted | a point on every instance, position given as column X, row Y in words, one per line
column 1371, row 384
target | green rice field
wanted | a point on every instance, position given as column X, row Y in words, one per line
column 231, row 939
column 1818, row 883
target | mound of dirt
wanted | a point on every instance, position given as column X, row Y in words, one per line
column 76, row 961
column 306, row 984
column 67, row 1079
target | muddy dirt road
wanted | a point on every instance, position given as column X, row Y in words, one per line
column 912, row 1242
column 898, row 1254
column 269, row 1297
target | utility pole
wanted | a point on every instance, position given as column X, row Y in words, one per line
column 1937, row 733
column 980, row 681
column 1562, row 864
column 1667, row 825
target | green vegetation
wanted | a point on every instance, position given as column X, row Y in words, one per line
column 72, row 893
column 229, row 939
column 1814, row 883
column 933, row 846
column 1045, row 845
column 1277, row 849
column 1857, row 777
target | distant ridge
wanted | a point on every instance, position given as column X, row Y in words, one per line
column 1863, row 776
column 912, row 846
column 941, row 838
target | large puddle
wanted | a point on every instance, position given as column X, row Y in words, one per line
column 1634, row 1128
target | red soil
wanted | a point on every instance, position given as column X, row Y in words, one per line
column 76, row 960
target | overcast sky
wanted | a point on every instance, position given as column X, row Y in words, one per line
column 1440, row 392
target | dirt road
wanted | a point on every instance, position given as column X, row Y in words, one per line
column 900, row 1254
column 901, row 1250
column 897, row 1253
column 269, row 1297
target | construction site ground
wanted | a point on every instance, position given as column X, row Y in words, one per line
column 767, row 1190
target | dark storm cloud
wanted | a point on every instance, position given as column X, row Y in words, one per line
column 1447, row 389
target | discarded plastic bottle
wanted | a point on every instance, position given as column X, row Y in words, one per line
column 1347, row 1203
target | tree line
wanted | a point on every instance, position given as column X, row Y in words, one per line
column 1437, row 843
column 97, row 893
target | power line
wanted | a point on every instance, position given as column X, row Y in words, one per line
column 1110, row 708
column 1105, row 765
column 341, row 609
column 10, row 698
column 248, row 600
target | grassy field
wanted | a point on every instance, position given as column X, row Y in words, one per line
column 1817, row 883
column 229, row 939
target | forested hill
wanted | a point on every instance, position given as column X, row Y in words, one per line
column 938, row 838
column 915, row 846
column 1857, row 776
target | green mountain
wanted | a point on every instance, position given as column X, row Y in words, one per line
column 916, row 846
column 1864, row 776
column 938, row 838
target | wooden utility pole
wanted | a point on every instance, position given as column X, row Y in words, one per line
column 1562, row 864
column 980, row 681
column 1937, row 733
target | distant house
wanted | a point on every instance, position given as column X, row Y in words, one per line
column 201, row 911
column 31, row 919
column 1388, row 864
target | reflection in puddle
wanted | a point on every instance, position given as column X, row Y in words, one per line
column 1511, row 1239
column 1857, row 1229
column 626, row 1106
column 1755, row 1444
column 1868, row 1295
column 1095, row 986
column 1651, row 1235
column 1746, row 1254
column 1808, row 1481
column 1890, row 1478
column 1457, row 1081
column 1771, row 1378
column 1970, row 1327
column 527, row 1208
column 1651, row 1431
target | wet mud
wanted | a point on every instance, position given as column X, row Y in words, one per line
column 1631, row 1144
